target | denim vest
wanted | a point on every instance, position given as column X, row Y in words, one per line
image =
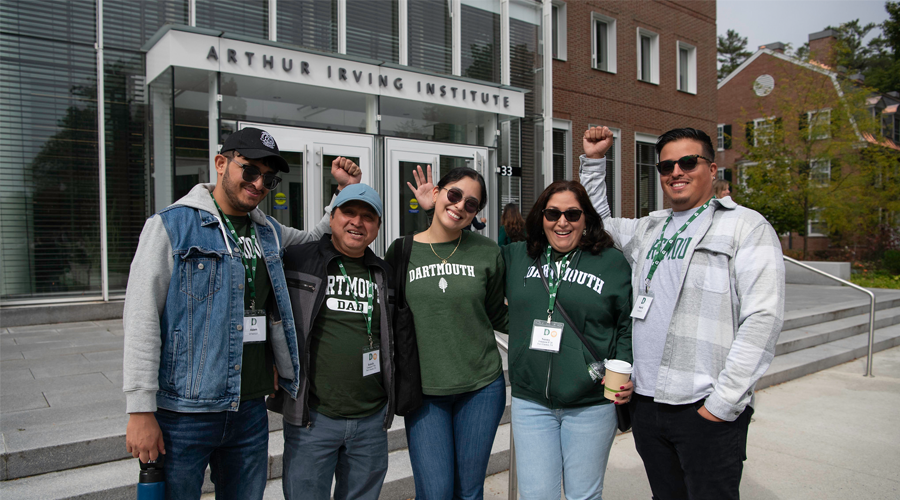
column 202, row 341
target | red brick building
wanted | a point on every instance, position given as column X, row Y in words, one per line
column 751, row 105
column 640, row 68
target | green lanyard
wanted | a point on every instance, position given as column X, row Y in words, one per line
column 249, row 268
column 370, row 294
column 668, row 245
column 554, row 281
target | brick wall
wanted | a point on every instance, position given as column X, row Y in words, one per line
column 585, row 95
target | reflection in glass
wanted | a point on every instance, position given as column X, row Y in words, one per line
column 480, row 40
column 435, row 122
column 429, row 35
column 412, row 217
column 267, row 101
column 309, row 23
column 373, row 29
column 285, row 202
column 244, row 17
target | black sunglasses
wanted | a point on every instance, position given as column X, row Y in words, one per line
column 251, row 173
column 454, row 195
column 687, row 163
column 553, row 214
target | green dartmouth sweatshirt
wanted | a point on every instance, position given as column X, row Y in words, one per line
column 456, row 308
column 596, row 293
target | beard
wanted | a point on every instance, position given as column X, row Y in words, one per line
column 232, row 191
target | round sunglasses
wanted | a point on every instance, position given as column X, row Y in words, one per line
column 553, row 214
column 251, row 173
column 687, row 163
column 454, row 195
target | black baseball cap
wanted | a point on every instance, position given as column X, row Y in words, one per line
column 256, row 144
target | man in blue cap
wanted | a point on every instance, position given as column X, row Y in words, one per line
column 207, row 315
column 336, row 427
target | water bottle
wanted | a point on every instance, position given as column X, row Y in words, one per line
column 152, row 480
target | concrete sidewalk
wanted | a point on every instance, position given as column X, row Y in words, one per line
column 830, row 435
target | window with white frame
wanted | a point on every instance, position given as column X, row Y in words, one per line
column 558, row 19
column 647, row 56
column 763, row 131
column 687, row 67
column 820, row 172
column 819, row 124
column 816, row 226
column 723, row 137
column 603, row 42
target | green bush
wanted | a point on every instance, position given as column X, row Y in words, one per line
column 892, row 261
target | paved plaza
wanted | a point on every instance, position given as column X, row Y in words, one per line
column 826, row 435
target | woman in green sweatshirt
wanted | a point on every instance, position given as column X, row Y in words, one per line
column 562, row 422
column 454, row 289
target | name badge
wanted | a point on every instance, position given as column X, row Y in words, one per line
column 546, row 335
column 371, row 363
column 642, row 305
column 254, row 326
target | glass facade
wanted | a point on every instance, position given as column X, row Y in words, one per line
column 157, row 134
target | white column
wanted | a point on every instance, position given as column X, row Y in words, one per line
column 504, row 42
column 213, row 123
column 456, row 36
column 163, row 169
column 273, row 20
column 342, row 26
column 371, row 114
column 403, row 29
column 547, row 29
column 192, row 12
column 101, row 156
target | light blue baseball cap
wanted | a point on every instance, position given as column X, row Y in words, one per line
column 361, row 192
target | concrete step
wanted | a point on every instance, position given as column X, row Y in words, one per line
column 118, row 479
column 47, row 437
column 812, row 359
column 830, row 312
column 820, row 333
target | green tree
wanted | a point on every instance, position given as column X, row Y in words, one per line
column 805, row 164
column 732, row 49
column 878, row 60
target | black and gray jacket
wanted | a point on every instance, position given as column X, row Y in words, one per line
column 306, row 273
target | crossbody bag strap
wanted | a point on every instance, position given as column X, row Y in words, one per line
column 562, row 311
column 402, row 268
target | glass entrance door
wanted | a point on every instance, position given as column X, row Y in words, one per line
column 402, row 212
column 299, row 201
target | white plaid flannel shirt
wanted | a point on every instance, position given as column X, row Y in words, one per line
column 730, row 307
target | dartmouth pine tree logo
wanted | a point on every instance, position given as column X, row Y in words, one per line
column 443, row 285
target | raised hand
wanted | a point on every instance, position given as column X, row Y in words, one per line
column 424, row 187
column 345, row 172
column 597, row 140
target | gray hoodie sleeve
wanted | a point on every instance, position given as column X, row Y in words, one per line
column 292, row 236
column 145, row 300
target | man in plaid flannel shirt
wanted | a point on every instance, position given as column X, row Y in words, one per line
column 708, row 279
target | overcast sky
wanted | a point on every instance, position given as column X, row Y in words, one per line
column 767, row 21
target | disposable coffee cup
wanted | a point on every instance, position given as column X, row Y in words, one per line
column 617, row 374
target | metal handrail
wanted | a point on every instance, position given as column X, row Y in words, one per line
column 513, row 488
column 861, row 289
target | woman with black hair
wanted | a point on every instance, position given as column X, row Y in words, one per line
column 562, row 422
column 454, row 288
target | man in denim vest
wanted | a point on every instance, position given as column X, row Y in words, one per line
column 208, row 324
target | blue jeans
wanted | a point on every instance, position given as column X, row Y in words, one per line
column 354, row 451
column 572, row 442
column 450, row 439
column 234, row 444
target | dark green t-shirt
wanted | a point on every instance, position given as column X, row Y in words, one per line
column 257, row 378
column 338, row 336
column 456, row 308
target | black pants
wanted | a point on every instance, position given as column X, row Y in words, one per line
column 687, row 456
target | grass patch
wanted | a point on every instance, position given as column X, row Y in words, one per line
column 875, row 279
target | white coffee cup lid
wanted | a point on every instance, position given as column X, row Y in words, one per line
column 619, row 366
